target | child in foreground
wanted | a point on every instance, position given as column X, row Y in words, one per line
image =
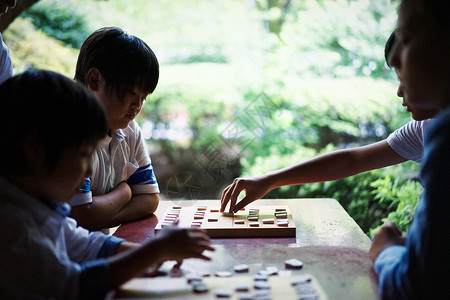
column 43, row 254
column 418, row 267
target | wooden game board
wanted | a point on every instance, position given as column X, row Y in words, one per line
column 252, row 221
column 278, row 288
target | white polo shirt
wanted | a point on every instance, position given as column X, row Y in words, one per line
column 121, row 157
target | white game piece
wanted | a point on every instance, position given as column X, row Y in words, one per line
column 253, row 224
column 172, row 215
column 223, row 274
column 280, row 215
column 223, row 293
column 242, row 268
column 272, row 270
column 246, row 296
column 268, row 221
column 198, row 217
column 200, row 288
column 228, row 214
column 293, row 263
column 213, row 220
column 239, row 221
column 301, row 279
column 261, row 285
column 280, row 209
column 309, row 297
column 259, row 277
column 283, row 223
column 176, row 207
column 214, row 210
column 241, row 288
column 253, row 218
column 196, row 224
column 202, row 207
column 193, row 278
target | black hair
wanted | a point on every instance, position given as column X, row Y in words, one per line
column 55, row 110
column 125, row 61
column 392, row 40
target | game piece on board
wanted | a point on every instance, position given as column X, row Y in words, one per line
column 261, row 285
column 200, row 288
column 293, row 263
column 213, row 219
column 301, row 279
column 272, row 270
column 239, row 221
column 259, row 277
column 214, row 210
column 242, row 268
column 283, row 223
column 176, row 207
column 223, row 293
column 268, row 221
column 202, row 207
column 253, row 224
column 241, row 288
column 228, row 214
column 196, row 224
column 253, row 218
column 245, row 296
column 193, row 278
column 223, row 274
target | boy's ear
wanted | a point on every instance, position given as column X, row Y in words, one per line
column 94, row 79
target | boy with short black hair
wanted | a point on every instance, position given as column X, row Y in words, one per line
column 121, row 70
column 43, row 253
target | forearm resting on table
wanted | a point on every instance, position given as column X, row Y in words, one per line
column 140, row 205
column 99, row 213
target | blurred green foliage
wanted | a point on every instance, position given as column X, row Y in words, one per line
column 63, row 20
column 33, row 48
column 250, row 86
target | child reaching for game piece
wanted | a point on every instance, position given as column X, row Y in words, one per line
column 43, row 253
column 121, row 70
column 406, row 143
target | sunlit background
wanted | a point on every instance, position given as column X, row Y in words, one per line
column 247, row 86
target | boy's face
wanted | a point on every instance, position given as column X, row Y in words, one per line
column 421, row 62
column 64, row 181
column 120, row 110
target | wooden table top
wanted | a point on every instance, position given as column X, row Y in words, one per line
column 331, row 245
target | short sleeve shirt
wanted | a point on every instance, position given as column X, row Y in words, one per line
column 407, row 141
column 121, row 157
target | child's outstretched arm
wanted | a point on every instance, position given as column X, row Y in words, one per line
column 168, row 244
column 326, row 167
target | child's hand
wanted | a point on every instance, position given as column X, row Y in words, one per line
column 177, row 243
column 388, row 235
